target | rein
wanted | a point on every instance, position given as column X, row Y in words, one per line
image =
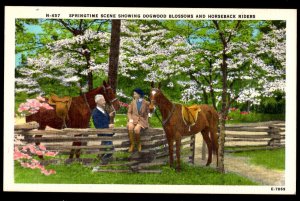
column 86, row 102
column 169, row 116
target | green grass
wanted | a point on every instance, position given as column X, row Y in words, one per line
column 121, row 121
column 272, row 159
column 79, row 174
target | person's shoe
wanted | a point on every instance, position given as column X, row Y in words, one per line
column 100, row 156
column 104, row 161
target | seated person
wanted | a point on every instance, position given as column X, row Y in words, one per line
column 138, row 111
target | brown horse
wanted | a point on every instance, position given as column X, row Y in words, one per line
column 175, row 127
column 79, row 112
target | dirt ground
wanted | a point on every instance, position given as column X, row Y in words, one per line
column 243, row 167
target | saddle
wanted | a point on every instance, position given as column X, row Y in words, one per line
column 62, row 106
column 190, row 114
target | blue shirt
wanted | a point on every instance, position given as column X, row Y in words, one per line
column 139, row 104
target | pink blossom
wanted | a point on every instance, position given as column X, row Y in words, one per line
column 32, row 150
column 39, row 98
column 46, row 106
column 34, row 161
column 32, row 111
column 49, row 153
column 47, row 173
column 39, row 153
column 30, row 162
column 32, row 106
column 123, row 104
column 25, row 148
column 42, row 147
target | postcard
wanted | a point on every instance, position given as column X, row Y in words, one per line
column 150, row 100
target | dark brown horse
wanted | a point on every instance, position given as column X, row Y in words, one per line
column 175, row 127
column 79, row 112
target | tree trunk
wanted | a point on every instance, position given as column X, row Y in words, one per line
column 205, row 96
column 90, row 81
column 221, row 167
column 212, row 92
column 223, row 112
column 87, row 56
column 248, row 106
column 213, row 98
column 114, row 53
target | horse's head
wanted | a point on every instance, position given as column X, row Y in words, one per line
column 107, row 92
column 110, row 96
column 154, row 94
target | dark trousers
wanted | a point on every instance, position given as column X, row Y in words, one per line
column 105, row 142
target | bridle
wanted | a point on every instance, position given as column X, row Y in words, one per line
column 105, row 91
column 153, row 102
column 111, row 101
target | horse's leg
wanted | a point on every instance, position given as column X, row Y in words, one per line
column 72, row 152
column 206, row 138
column 213, row 132
column 170, row 143
column 77, row 152
column 178, row 144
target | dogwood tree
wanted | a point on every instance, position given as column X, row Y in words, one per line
column 244, row 68
column 66, row 64
column 148, row 47
column 67, row 61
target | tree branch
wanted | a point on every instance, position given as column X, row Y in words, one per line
column 221, row 34
column 236, row 27
column 67, row 26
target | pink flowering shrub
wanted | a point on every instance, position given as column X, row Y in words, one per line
column 25, row 157
column 244, row 113
column 33, row 105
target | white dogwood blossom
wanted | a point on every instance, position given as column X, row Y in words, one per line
column 65, row 62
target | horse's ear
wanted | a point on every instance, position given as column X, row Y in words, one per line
column 152, row 84
column 104, row 83
column 159, row 85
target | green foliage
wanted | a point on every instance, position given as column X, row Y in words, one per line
column 272, row 159
column 201, row 33
column 79, row 174
column 238, row 117
column 272, row 105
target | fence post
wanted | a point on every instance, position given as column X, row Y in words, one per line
column 274, row 133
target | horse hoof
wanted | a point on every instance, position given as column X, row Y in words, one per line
column 207, row 164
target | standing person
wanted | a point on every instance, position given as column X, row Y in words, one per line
column 138, row 111
column 101, row 119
